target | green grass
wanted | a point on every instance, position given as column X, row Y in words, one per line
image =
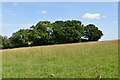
column 79, row 60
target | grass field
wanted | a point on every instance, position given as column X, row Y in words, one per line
column 78, row 60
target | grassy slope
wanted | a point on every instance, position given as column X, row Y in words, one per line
column 82, row 60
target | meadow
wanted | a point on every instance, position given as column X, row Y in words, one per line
column 76, row 60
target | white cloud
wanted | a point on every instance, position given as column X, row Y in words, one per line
column 92, row 16
column 43, row 12
column 0, row 15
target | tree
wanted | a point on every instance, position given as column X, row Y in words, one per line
column 20, row 38
column 1, row 38
column 73, row 31
column 92, row 33
column 58, row 33
column 40, row 33
column 67, row 31
column 6, row 43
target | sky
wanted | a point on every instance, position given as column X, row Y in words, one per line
column 22, row 15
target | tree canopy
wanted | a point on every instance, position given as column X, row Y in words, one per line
column 58, row 32
column 92, row 33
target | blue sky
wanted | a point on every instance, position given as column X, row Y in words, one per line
column 21, row 15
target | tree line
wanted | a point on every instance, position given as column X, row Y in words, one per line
column 47, row 33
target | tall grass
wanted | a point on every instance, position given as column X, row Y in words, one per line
column 79, row 60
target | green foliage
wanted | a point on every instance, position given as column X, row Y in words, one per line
column 68, row 31
column 73, row 30
column 20, row 38
column 40, row 33
column 5, row 43
column 1, row 38
column 58, row 32
column 92, row 33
